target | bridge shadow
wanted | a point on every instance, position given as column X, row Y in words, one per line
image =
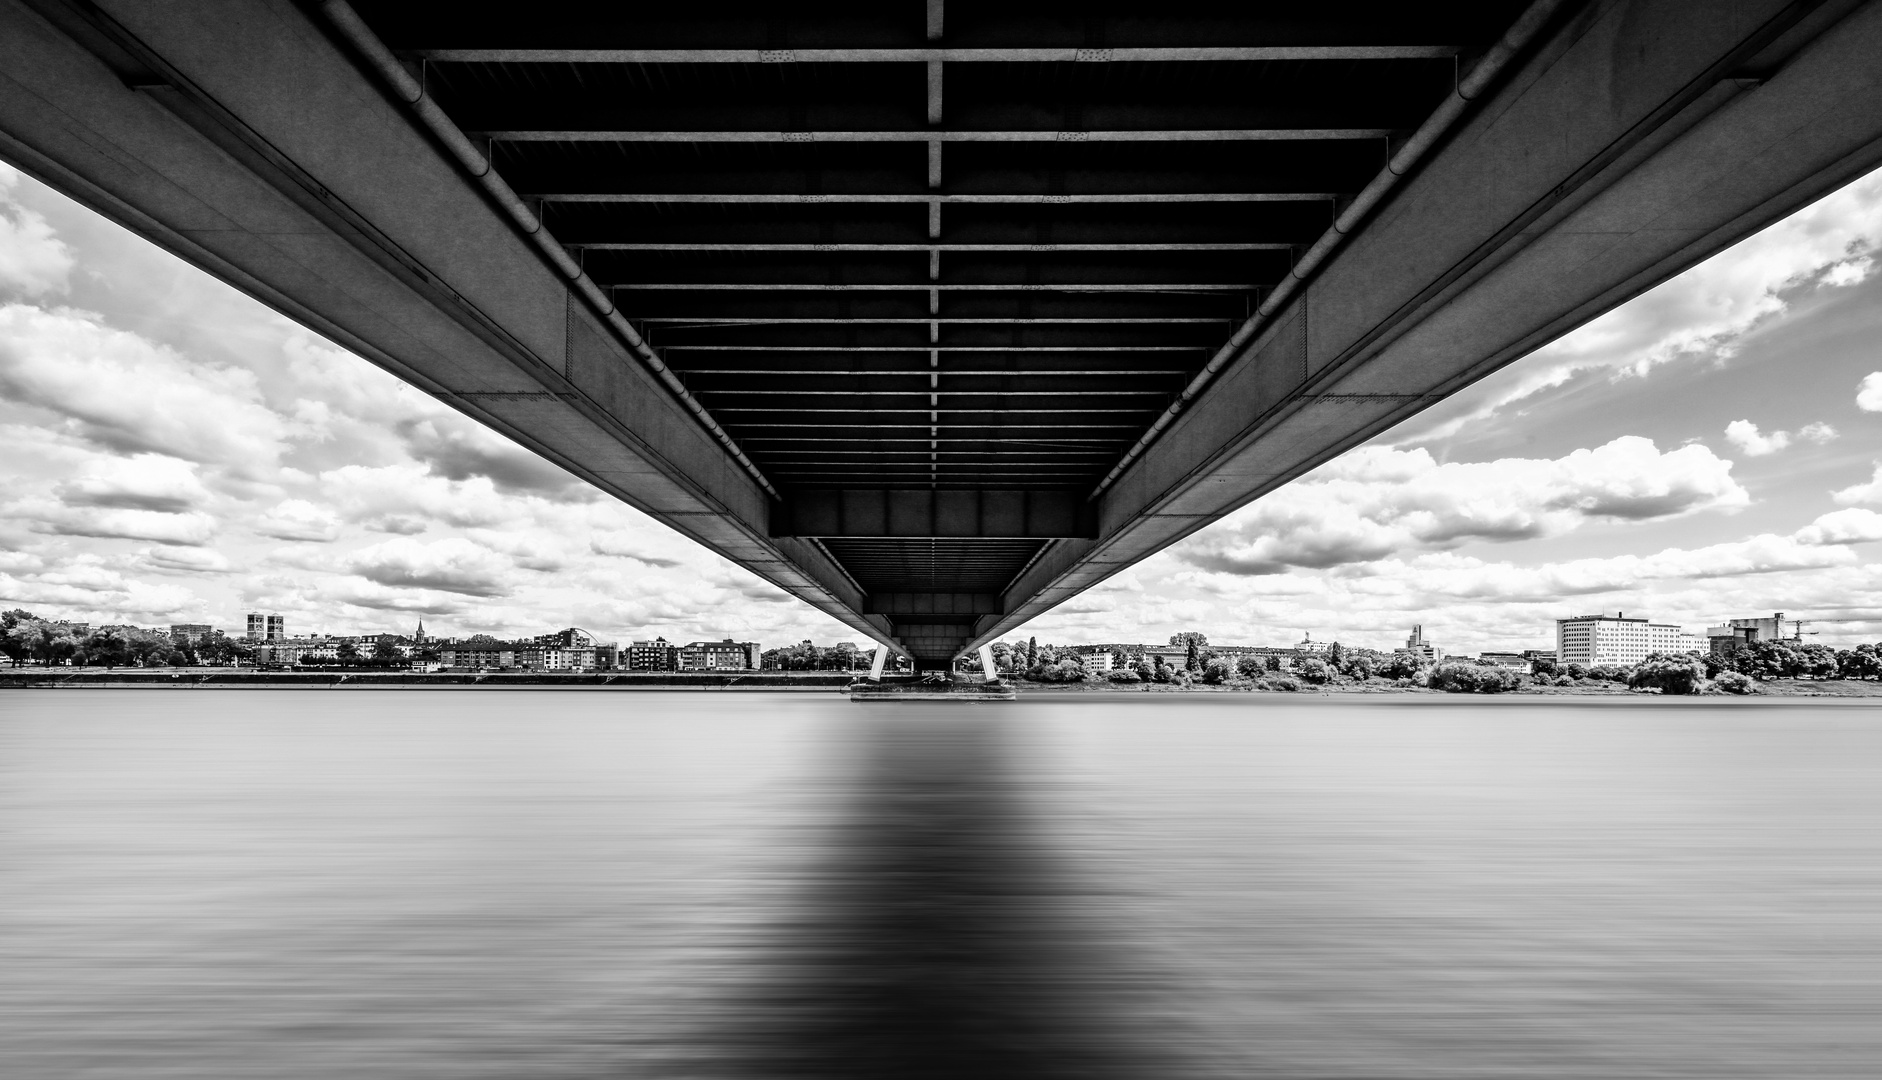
column 939, row 938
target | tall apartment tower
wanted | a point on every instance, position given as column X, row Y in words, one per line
column 1418, row 646
column 277, row 628
column 255, row 625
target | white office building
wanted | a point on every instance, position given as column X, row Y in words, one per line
column 1592, row 640
column 1668, row 638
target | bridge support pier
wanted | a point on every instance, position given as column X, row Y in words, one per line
column 875, row 665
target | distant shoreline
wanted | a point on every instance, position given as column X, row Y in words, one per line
column 803, row 682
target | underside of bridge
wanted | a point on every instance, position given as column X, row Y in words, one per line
column 936, row 314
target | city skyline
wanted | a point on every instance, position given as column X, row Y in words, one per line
column 1706, row 451
column 268, row 628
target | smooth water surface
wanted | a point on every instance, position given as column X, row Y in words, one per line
column 547, row 884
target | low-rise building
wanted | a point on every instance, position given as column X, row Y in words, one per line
column 656, row 655
column 724, row 655
column 1509, row 660
column 1174, row 656
column 1670, row 638
column 1734, row 634
column 190, row 633
column 324, row 650
column 1236, row 652
column 478, row 657
column 556, row 658
column 572, row 638
column 282, row 653
column 1102, row 657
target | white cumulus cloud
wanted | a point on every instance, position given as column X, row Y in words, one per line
column 192, row 529
column 1870, row 492
column 89, row 591
column 1753, row 443
column 1852, row 526
column 33, row 260
column 401, row 498
column 298, row 519
column 1869, row 392
column 452, row 565
column 165, row 485
column 186, row 560
column 1702, row 314
column 123, row 392
column 1377, row 502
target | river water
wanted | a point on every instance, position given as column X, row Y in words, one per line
column 549, row 884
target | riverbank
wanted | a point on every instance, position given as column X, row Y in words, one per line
column 231, row 679
column 827, row 682
column 1789, row 688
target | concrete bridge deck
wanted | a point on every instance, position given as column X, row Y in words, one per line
column 937, row 314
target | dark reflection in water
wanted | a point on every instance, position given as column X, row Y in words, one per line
column 940, row 938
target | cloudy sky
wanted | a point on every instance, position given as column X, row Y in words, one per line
column 175, row 452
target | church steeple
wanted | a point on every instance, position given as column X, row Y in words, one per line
column 419, row 637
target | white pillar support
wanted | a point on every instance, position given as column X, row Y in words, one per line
column 986, row 663
column 875, row 666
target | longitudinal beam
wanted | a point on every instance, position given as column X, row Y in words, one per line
column 1456, row 277
column 241, row 137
